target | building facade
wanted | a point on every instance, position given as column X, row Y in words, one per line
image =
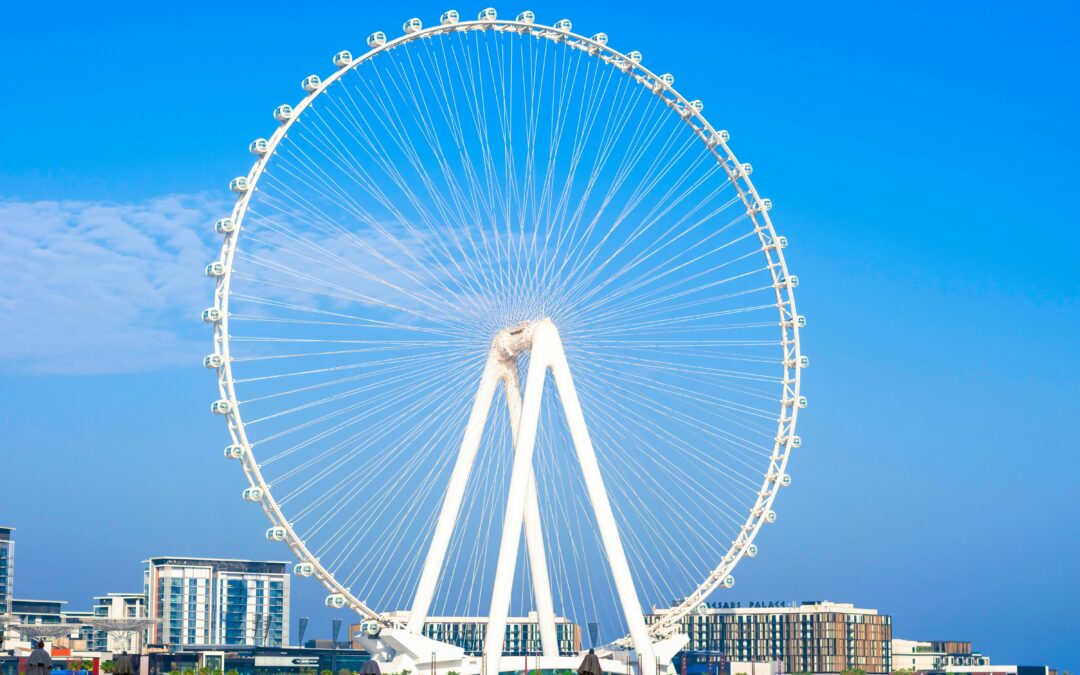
column 118, row 606
column 7, row 568
column 38, row 611
column 522, row 634
column 808, row 637
column 932, row 656
column 209, row 601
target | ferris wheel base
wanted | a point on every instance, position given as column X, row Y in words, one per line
column 398, row 650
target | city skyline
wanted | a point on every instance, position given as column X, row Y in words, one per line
column 939, row 322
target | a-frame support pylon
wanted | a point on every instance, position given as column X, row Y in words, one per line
column 542, row 339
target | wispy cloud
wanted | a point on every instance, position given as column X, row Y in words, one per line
column 95, row 287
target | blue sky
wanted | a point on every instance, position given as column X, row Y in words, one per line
column 920, row 157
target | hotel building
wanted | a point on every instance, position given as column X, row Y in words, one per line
column 810, row 637
column 210, row 601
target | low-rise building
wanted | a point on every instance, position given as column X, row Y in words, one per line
column 468, row 632
column 807, row 637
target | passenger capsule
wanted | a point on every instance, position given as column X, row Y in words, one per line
column 413, row 25
column 376, row 39
column 211, row 315
column 234, row 451
column 751, row 551
column 634, row 56
column 770, row 516
column 343, row 58
column 600, row 39
column 449, row 17
column 225, row 226
column 781, row 242
column 804, row 361
column 800, row 321
column 252, row 494
column 668, row 79
column 303, row 569
column 792, row 281
column 729, row 582
column 697, row 105
column 311, row 83
column 796, row 441
column 335, row 600
column 283, row 113
column 762, row 205
column 239, row 184
column 746, row 169
column 220, row 407
column 213, row 361
column 259, row 146
column 563, row 25
column 526, row 17
column 803, row 402
column 215, row 269
column 275, row 534
column 488, row 14
column 785, row 480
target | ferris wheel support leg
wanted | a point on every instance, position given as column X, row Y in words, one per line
column 534, row 531
column 455, row 492
column 594, row 485
column 515, row 506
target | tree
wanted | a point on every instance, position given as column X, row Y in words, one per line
column 232, row 671
column 344, row 671
column 108, row 666
column 326, row 671
column 903, row 671
column 853, row 671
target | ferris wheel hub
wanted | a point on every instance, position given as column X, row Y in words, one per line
column 509, row 343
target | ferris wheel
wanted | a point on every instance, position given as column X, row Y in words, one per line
column 501, row 327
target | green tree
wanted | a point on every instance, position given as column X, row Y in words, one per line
column 344, row 671
column 853, row 671
column 232, row 671
column 903, row 671
column 326, row 671
column 188, row 671
column 174, row 671
column 108, row 666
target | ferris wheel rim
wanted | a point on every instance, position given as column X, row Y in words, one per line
column 715, row 141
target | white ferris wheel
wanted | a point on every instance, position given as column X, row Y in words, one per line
column 435, row 228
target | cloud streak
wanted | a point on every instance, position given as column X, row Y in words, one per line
column 95, row 287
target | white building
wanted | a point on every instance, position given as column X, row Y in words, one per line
column 951, row 656
column 211, row 601
column 118, row 606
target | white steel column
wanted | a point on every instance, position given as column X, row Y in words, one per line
column 534, row 530
column 455, row 492
column 605, row 518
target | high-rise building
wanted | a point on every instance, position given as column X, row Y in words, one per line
column 7, row 568
column 808, row 637
column 522, row 634
column 203, row 601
